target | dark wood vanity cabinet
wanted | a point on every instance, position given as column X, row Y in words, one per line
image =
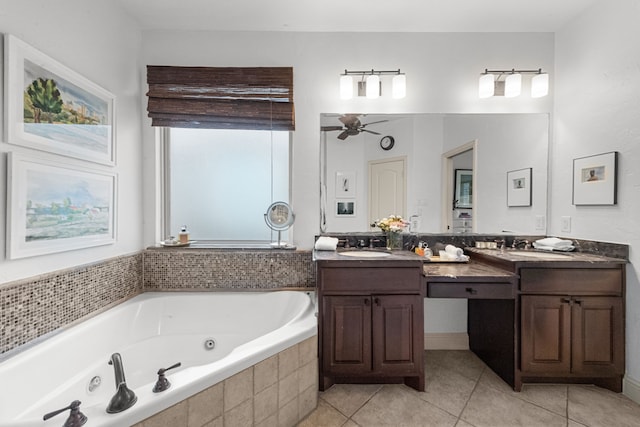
column 572, row 325
column 371, row 324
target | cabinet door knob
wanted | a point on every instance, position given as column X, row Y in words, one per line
column 577, row 301
column 376, row 300
column 566, row 300
column 471, row 291
column 366, row 301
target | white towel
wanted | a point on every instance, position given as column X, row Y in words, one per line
column 553, row 244
column 325, row 243
column 455, row 252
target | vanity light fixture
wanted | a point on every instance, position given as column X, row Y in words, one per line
column 490, row 83
column 370, row 84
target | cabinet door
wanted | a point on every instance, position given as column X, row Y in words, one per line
column 346, row 334
column 545, row 334
column 397, row 334
column 598, row 336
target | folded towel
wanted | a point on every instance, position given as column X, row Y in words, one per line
column 447, row 256
column 454, row 251
column 553, row 244
column 325, row 243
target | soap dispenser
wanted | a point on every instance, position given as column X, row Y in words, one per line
column 183, row 237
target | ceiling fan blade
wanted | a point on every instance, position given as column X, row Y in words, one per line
column 372, row 123
column 370, row 131
column 330, row 128
column 343, row 135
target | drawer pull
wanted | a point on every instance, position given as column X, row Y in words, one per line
column 367, row 301
column 566, row 300
column 377, row 301
column 472, row 291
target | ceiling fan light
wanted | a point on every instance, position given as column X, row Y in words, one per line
column 486, row 86
column 399, row 86
column 512, row 85
column 346, row 87
column 373, row 86
column 540, row 85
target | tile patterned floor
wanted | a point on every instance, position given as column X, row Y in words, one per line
column 462, row 392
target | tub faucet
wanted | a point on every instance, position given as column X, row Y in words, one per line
column 124, row 397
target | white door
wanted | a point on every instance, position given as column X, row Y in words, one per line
column 387, row 188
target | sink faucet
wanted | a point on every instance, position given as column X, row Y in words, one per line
column 518, row 242
column 124, row 397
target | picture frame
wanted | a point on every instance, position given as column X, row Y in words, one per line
column 55, row 207
column 463, row 194
column 519, row 187
column 595, row 179
column 345, row 185
column 345, row 208
column 78, row 117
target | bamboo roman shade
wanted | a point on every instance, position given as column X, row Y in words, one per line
column 250, row 98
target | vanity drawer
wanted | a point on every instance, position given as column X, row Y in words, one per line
column 369, row 279
column 571, row 280
column 471, row 290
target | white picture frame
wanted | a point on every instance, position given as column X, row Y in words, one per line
column 80, row 121
column 345, row 185
column 54, row 207
column 519, row 187
column 595, row 179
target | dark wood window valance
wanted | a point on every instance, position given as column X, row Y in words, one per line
column 250, row 98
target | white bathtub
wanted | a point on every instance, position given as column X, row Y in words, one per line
column 151, row 331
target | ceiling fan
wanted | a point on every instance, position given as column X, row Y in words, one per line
column 352, row 126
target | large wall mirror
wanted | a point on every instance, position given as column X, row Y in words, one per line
column 405, row 164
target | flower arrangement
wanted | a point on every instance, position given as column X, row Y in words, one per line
column 393, row 223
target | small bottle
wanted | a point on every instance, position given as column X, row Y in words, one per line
column 419, row 249
column 427, row 252
column 183, row 237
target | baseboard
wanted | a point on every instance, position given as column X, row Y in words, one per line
column 446, row 341
column 631, row 389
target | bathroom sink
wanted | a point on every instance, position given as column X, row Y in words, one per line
column 538, row 255
column 365, row 254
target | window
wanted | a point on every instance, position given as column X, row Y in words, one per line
column 220, row 183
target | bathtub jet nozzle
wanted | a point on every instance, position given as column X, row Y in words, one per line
column 124, row 398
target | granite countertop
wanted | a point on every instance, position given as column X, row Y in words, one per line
column 471, row 271
column 336, row 256
column 533, row 256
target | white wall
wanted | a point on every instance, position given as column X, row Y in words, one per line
column 597, row 110
column 442, row 76
column 97, row 40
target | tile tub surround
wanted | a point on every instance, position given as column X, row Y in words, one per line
column 205, row 268
column 278, row 391
column 34, row 307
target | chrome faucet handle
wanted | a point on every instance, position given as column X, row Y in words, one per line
column 76, row 418
column 372, row 241
column 163, row 383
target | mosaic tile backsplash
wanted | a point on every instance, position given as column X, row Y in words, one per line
column 166, row 269
column 33, row 307
column 36, row 306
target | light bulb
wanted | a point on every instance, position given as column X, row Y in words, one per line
column 486, row 86
column 512, row 85
column 399, row 86
column 346, row 87
column 540, row 85
column 373, row 86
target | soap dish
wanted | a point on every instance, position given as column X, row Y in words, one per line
column 176, row 244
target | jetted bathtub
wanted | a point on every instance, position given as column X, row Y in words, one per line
column 214, row 335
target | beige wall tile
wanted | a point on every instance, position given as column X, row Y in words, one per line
column 173, row 416
column 308, row 350
column 288, row 361
column 206, row 405
column 265, row 374
column 265, row 403
column 272, row 421
column 218, row 422
column 287, row 389
column 308, row 375
column 307, row 401
column 238, row 388
column 288, row 415
column 240, row 416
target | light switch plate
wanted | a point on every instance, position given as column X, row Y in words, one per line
column 541, row 223
column 565, row 224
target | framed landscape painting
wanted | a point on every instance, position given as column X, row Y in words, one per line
column 50, row 107
column 519, row 187
column 595, row 179
column 55, row 208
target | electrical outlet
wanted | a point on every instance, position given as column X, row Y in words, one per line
column 541, row 223
column 565, row 224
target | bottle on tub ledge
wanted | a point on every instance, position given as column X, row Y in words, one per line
column 183, row 236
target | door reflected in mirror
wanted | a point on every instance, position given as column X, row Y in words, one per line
column 355, row 143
